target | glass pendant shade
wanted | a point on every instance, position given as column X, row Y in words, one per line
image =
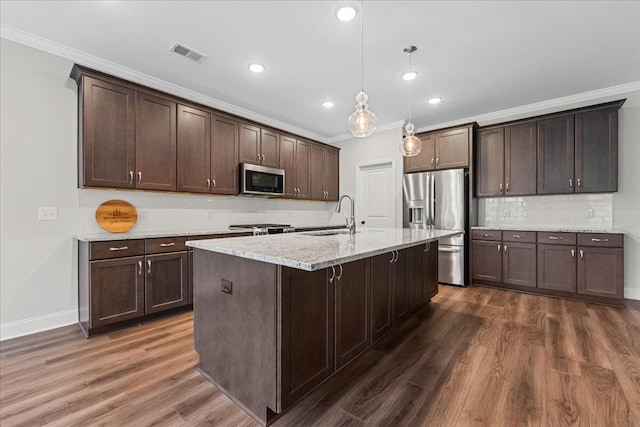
column 362, row 122
column 411, row 144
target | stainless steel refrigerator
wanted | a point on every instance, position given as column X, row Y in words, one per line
column 439, row 200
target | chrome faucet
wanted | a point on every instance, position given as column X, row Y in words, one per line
column 351, row 224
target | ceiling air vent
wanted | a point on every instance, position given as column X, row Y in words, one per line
column 187, row 52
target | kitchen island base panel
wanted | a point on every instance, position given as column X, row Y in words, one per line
column 235, row 331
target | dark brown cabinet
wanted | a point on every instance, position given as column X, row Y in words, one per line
column 120, row 286
column 557, row 267
column 295, row 157
column 444, row 149
column 506, row 158
column 107, row 124
column 600, row 271
column 224, row 155
column 596, row 164
column 430, row 270
column 317, row 172
column 399, row 280
column 487, row 260
column 331, row 174
column 324, row 173
column 352, row 304
column 556, row 155
column 307, row 332
column 381, row 296
column 194, row 150
column 519, row 264
column 166, row 281
column 259, row 146
column 414, row 280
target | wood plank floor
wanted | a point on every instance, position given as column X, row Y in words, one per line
column 473, row 357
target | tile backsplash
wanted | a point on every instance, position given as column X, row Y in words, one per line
column 571, row 210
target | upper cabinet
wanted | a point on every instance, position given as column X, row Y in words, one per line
column 570, row 152
column 107, row 128
column 259, row 146
column 135, row 137
column 444, row 149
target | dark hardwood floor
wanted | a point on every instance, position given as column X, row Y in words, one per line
column 475, row 356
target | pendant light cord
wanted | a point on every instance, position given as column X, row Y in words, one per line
column 362, row 46
column 410, row 83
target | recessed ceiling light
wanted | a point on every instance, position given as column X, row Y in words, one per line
column 346, row 13
column 256, row 68
column 327, row 104
column 435, row 100
column 410, row 75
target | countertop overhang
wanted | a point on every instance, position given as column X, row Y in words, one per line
column 314, row 252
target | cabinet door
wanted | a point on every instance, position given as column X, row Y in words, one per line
column 167, row 281
column 556, row 155
column 557, row 267
column 331, row 173
column 307, row 332
column 520, row 159
column 249, row 144
column 117, row 290
column 490, row 163
column 317, row 172
column 190, row 291
column 519, row 264
column 381, row 296
column 415, row 284
column 400, row 300
column 194, row 146
column 353, row 331
column 270, row 148
column 155, row 143
column 224, row 155
column 288, row 164
column 425, row 160
column 600, row 271
column 108, row 135
column 452, row 149
column 303, row 169
column 487, row 261
column 430, row 270
column 597, row 151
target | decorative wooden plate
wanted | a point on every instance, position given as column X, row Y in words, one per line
column 116, row 216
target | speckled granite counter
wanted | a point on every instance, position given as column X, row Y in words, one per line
column 314, row 252
column 516, row 227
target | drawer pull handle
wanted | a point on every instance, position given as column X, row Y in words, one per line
column 208, row 183
column 507, row 186
column 505, row 249
column 166, row 245
column 499, row 248
column 581, row 254
column 517, row 236
column 393, row 257
column 449, row 250
column 148, row 266
column 555, row 238
column 130, row 177
column 214, row 183
column 500, row 188
column 570, row 183
column 594, row 239
column 573, row 253
column 340, row 275
column 427, row 247
column 121, row 248
column 139, row 177
column 139, row 268
column 333, row 274
column 579, row 182
column 432, row 162
column 487, row 235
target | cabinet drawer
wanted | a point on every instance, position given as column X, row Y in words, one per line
column 495, row 235
column 604, row 240
column 116, row 249
column 519, row 236
column 557, row 238
column 165, row 244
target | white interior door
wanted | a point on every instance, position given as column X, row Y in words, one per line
column 375, row 194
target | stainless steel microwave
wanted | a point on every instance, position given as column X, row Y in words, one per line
column 261, row 180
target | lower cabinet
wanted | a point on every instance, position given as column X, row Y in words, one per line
column 381, row 296
column 399, row 284
column 430, row 270
column 585, row 266
column 415, row 282
column 166, row 281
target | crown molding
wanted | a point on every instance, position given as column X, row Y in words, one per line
column 381, row 128
column 99, row 64
column 550, row 106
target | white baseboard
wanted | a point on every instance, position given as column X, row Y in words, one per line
column 32, row 325
column 632, row 293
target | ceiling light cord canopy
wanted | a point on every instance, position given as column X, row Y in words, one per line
column 411, row 144
column 362, row 122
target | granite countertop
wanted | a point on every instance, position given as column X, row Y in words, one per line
column 106, row 236
column 516, row 227
column 314, row 252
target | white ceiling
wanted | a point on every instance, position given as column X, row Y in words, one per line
column 479, row 56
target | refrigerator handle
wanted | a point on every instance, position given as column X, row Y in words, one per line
column 433, row 201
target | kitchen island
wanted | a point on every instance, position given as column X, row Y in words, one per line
column 277, row 315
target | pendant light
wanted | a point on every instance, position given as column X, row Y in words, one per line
column 411, row 144
column 362, row 122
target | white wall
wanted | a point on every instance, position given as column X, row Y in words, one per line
column 379, row 146
column 38, row 261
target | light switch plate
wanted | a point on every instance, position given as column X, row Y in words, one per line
column 506, row 212
column 588, row 213
column 47, row 214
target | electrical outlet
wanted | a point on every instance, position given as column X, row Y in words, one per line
column 142, row 214
column 588, row 213
column 211, row 214
column 506, row 212
column 47, row 214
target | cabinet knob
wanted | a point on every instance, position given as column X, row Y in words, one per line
column 432, row 161
column 570, row 183
column 581, row 254
column 505, row 249
column 139, row 177
column 209, row 183
column 139, row 268
column 214, row 183
column 487, row 235
column 148, row 266
column 333, row 274
column 500, row 186
column 427, row 247
column 437, row 161
column 579, row 182
column 507, row 186
column 573, row 253
column 339, row 275
column 499, row 248
column 130, row 177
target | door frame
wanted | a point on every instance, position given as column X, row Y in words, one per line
column 371, row 164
